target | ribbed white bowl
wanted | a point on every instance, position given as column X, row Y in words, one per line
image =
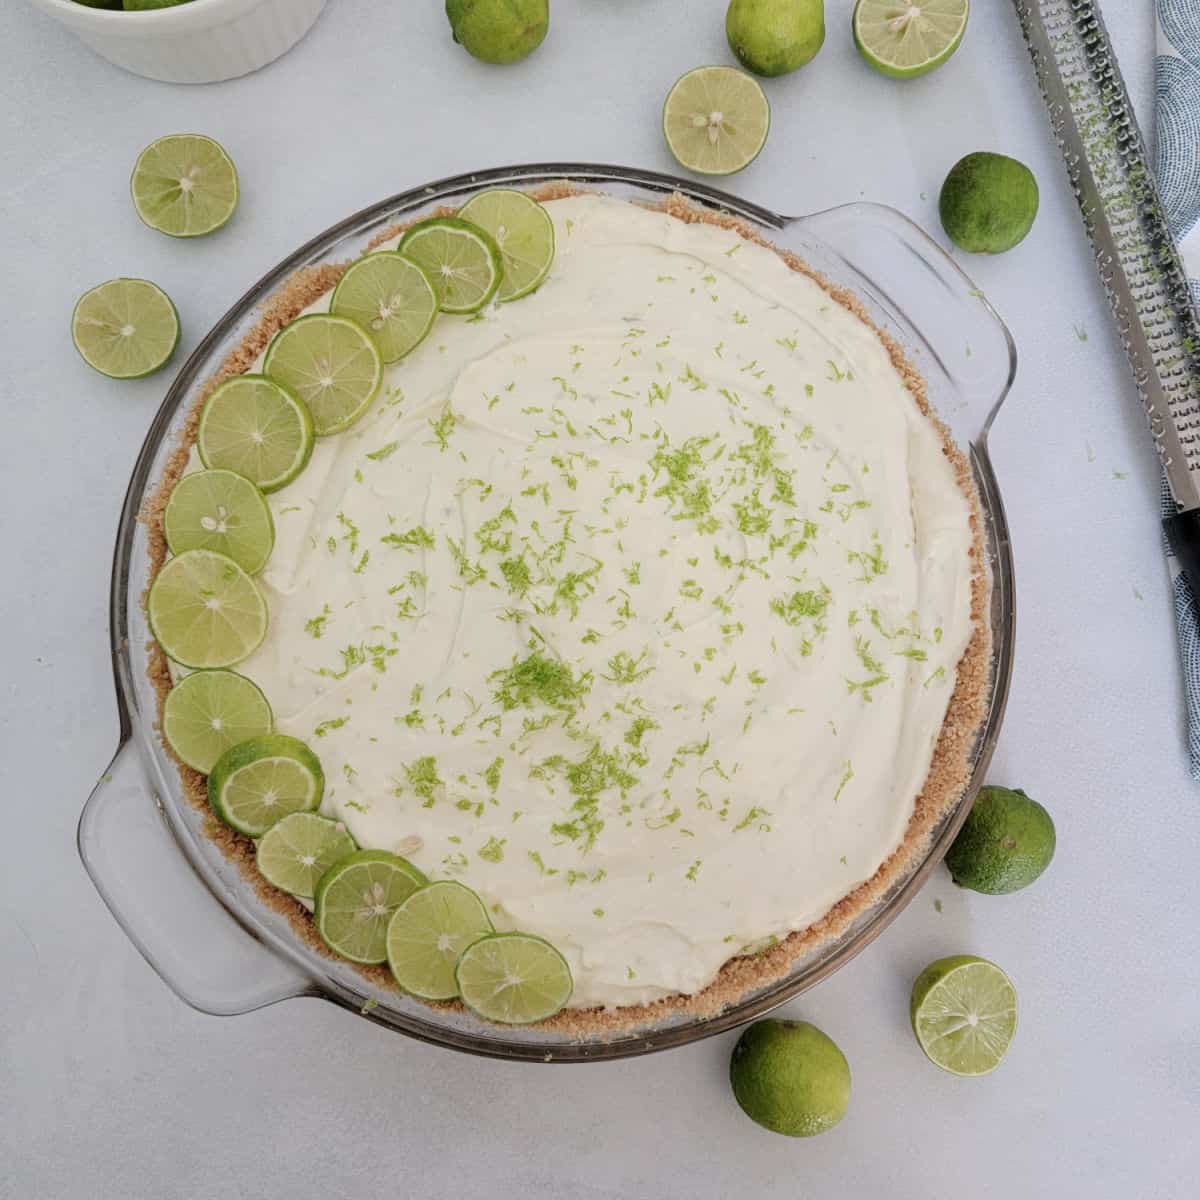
column 200, row 42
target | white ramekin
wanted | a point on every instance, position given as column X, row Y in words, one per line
column 199, row 42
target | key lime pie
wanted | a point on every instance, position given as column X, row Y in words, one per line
column 594, row 648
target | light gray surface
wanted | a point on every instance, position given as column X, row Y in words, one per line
column 113, row 1088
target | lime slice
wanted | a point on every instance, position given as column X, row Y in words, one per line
column 297, row 850
column 462, row 262
column 253, row 427
column 964, row 1013
column 207, row 712
column 428, row 932
column 716, row 120
column 184, row 185
column 906, row 38
column 221, row 511
column 355, row 900
column 332, row 364
column 256, row 783
column 390, row 297
column 125, row 328
column 515, row 978
column 523, row 231
column 205, row 611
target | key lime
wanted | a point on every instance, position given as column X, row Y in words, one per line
column 390, row 297
column 988, row 202
column 207, row 712
column 221, row 511
column 715, row 120
column 205, row 611
column 522, row 229
column 1006, row 842
column 514, row 978
column 964, row 1013
column 125, row 328
column 297, row 850
column 428, row 933
column 253, row 427
column 499, row 31
column 332, row 364
column 256, row 783
column 773, row 37
column 355, row 900
column 184, row 185
column 463, row 263
column 907, row 38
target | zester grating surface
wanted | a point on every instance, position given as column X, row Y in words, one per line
column 1096, row 130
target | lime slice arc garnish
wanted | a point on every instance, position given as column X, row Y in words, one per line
column 355, row 899
column 964, row 1013
column 298, row 849
column 329, row 362
column 207, row 712
column 428, row 933
column 716, row 120
column 462, row 261
column 514, row 978
column 523, row 231
column 221, row 511
column 257, row 429
column 258, row 782
column 184, row 185
column 205, row 611
column 907, row 40
column 125, row 328
column 391, row 298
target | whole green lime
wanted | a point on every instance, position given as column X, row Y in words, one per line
column 499, row 31
column 790, row 1078
column 988, row 202
column 773, row 37
column 146, row 5
column 1006, row 843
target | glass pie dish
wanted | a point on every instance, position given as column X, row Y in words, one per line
column 202, row 925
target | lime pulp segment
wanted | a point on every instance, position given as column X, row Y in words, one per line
column 462, row 261
column 257, row 782
column 524, row 233
column 905, row 40
column 964, row 1013
column 514, row 978
column 391, row 298
column 428, row 933
column 298, row 849
column 207, row 712
column 184, row 185
column 716, row 120
column 221, row 511
column 355, row 900
column 125, row 328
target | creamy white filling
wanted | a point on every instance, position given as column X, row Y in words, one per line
column 635, row 605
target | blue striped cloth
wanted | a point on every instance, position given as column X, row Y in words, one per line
column 1177, row 113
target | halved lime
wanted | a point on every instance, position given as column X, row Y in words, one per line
column 716, row 120
column 462, row 261
column 332, row 364
column 964, row 1013
column 297, row 850
column 221, row 511
column 205, row 611
column 355, row 900
column 390, row 297
column 524, row 232
column 258, row 782
column 428, row 933
column 255, row 428
column 906, row 38
column 125, row 328
column 184, row 185
column 207, row 712
column 515, row 978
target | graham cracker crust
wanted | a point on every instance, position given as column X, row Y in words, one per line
column 949, row 769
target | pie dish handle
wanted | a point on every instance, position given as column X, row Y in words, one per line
column 179, row 927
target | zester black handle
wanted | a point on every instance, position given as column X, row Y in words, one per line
column 1183, row 536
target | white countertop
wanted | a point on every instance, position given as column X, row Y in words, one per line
column 113, row 1088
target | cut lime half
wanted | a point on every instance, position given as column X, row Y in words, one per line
column 332, row 364
column 462, row 261
column 514, row 978
column 428, row 933
column 524, row 232
column 184, row 185
column 258, row 782
column 221, row 511
column 355, row 900
column 298, row 849
column 207, row 712
column 907, row 38
column 716, row 120
column 390, row 297
column 125, row 328
column 964, row 1013
column 205, row 611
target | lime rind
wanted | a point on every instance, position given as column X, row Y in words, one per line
column 462, row 261
column 513, row 978
column 716, row 120
column 428, row 933
column 355, row 900
column 125, row 328
column 259, row 781
column 221, row 511
column 389, row 296
column 904, row 42
column 524, row 233
column 298, row 849
column 208, row 712
column 964, row 1014
column 184, row 185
